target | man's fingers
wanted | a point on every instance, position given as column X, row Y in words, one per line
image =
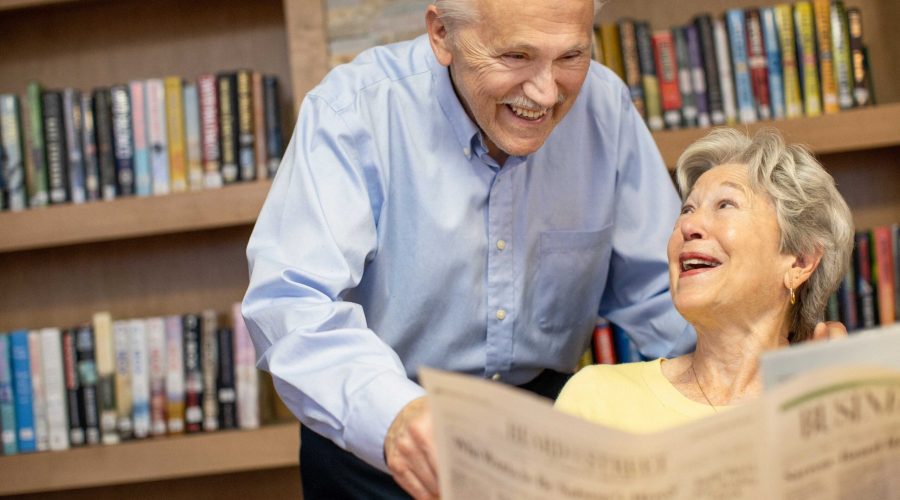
column 409, row 451
column 411, row 483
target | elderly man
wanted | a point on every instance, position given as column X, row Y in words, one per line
column 469, row 200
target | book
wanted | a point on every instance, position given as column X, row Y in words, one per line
column 847, row 300
column 857, row 57
column 38, row 396
column 743, row 85
column 602, row 343
column 667, row 75
column 89, row 149
column 726, row 80
column 773, row 61
column 867, row 307
column 139, row 358
column 193, row 374
column 822, row 23
column 697, row 71
column 596, row 45
column 22, row 388
column 36, row 171
column 106, row 156
column 157, row 366
column 612, row 49
column 704, row 26
column 840, row 46
column 784, row 26
column 209, row 130
column 105, row 354
column 274, row 140
column 246, row 375
column 86, row 366
column 807, row 59
column 74, row 403
column 193, row 154
column 261, row 154
column 175, row 129
column 7, row 399
column 157, row 136
column 123, row 143
column 143, row 177
column 55, row 389
column 228, row 127
column 124, row 400
column 758, row 63
column 626, row 350
column 652, row 98
column 685, row 80
column 883, row 273
column 55, row 144
column 209, row 364
column 225, row 380
column 630, row 65
column 246, row 152
column 13, row 155
column 72, row 125
column 174, row 375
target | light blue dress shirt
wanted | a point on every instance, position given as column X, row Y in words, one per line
column 391, row 240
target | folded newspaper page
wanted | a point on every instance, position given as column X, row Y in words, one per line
column 831, row 434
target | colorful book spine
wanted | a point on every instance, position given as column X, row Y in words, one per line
column 667, row 75
column 726, row 80
column 193, row 149
column 704, row 25
column 175, row 130
column 857, row 57
column 73, row 394
column 36, row 174
column 612, row 49
column 630, row 64
column 685, row 81
column 210, row 368
column 822, row 21
column 847, row 300
column 626, row 350
column 228, row 127
column 140, row 377
column 259, row 127
column 123, row 144
column 193, row 374
column 773, row 59
column 38, row 395
column 246, row 375
column 156, row 350
column 743, row 84
column 784, row 25
column 652, row 98
column 807, row 59
column 209, row 130
column 883, row 273
column 758, row 64
column 106, row 376
column 124, row 400
column 143, row 177
column 89, row 149
column 7, row 400
column 246, row 153
column 72, row 124
column 157, row 136
column 55, row 389
column 13, row 158
column 225, row 380
column 86, row 365
column 106, row 157
column 840, row 44
column 697, row 74
column 274, row 139
column 55, row 143
column 865, row 291
column 602, row 343
column 174, row 375
column 20, row 360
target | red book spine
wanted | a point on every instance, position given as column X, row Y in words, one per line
column 667, row 74
column 604, row 351
column 756, row 61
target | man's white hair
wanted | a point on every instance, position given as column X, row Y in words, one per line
column 456, row 13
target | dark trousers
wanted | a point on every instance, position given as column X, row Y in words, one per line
column 329, row 473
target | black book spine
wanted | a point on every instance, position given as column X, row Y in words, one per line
column 225, row 380
column 54, row 141
column 193, row 374
column 123, row 144
column 72, row 123
column 245, row 125
column 274, row 140
column 104, row 130
column 73, row 392
column 711, row 68
column 228, row 127
column 87, row 377
column 89, row 149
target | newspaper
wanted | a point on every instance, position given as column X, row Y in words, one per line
column 827, row 434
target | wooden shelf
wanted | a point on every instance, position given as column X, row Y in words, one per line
column 853, row 130
column 60, row 225
column 19, row 4
column 172, row 457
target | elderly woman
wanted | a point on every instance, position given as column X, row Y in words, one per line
column 762, row 241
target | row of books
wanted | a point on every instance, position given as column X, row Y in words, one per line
column 147, row 137
column 113, row 380
column 609, row 345
column 869, row 294
column 786, row 61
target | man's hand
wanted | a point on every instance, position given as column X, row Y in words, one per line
column 409, row 451
column 829, row 330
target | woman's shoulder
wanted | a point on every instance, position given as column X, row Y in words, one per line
column 606, row 380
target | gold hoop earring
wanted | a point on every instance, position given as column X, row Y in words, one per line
column 793, row 297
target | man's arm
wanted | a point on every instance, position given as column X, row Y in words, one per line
column 309, row 247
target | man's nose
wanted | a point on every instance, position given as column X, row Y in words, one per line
column 542, row 88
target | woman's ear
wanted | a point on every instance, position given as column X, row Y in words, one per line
column 802, row 268
column 437, row 36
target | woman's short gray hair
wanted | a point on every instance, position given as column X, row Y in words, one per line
column 811, row 213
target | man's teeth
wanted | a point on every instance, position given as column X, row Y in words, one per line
column 527, row 113
column 689, row 264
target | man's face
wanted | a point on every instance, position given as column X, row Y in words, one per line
column 519, row 69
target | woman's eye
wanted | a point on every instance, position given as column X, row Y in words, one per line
column 686, row 209
column 727, row 203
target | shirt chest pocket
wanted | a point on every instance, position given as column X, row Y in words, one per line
column 571, row 276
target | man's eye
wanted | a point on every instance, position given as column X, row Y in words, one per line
column 517, row 56
column 686, row 209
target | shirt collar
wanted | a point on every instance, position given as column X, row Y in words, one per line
column 466, row 131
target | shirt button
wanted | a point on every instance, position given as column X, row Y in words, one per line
column 501, row 244
column 466, row 151
column 495, row 377
column 501, row 314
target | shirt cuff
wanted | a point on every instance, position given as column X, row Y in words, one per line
column 373, row 411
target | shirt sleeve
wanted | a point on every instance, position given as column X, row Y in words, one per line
column 637, row 292
column 313, row 237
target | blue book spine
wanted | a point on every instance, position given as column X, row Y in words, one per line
column 773, row 57
column 626, row 350
column 21, row 371
column 735, row 22
column 143, row 183
column 7, row 403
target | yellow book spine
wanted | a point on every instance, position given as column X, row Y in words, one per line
column 822, row 14
column 793, row 100
column 612, row 49
column 806, row 51
column 175, row 128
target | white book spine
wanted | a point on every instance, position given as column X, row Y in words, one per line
column 157, row 136
column 55, row 389
column 726, row 81
column 106, row 376
column 246, row 375
column 192, row 136
column 156, row 346
column 124, row 400
column 38, row 394
column 140, row 377
column 175, row 374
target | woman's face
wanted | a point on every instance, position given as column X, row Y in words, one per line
column 724, row 259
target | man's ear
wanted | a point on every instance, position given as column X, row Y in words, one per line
column 802, row 268
column 437, row 35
